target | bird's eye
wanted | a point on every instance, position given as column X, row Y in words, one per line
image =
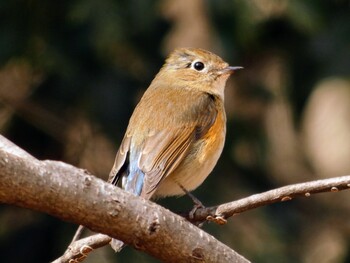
column 198, row 66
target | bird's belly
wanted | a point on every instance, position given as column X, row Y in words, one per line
column 198, row 164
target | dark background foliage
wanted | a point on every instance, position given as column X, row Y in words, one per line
column 71, row 73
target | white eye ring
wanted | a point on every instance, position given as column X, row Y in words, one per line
column 198, row 65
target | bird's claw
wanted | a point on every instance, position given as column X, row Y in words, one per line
column 197, row 204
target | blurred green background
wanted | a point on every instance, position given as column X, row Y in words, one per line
column 71, row 73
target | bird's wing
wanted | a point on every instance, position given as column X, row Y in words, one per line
column 162, row 154
column 163, row 150
column 121, row 161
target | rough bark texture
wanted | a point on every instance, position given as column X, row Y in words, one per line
column 73, row 195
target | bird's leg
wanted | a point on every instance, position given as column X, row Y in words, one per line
column 196, row 201
column 198, row 204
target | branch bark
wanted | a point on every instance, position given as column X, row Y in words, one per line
column 73, row 195
column 282, row 194
column 220, row 213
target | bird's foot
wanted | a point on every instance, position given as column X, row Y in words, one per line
column 197, row 203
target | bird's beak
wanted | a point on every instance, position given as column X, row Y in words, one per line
column 230, row 70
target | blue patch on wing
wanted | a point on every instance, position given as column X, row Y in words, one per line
column 133, row 182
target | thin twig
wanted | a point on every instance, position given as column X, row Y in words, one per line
column 281, row 194
column 79, row 250
column 78, row 234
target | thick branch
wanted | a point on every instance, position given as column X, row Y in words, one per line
column 71, row 194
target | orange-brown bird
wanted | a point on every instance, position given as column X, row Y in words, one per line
column 177, row 131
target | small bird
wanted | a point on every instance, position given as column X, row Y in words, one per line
column 177, row 131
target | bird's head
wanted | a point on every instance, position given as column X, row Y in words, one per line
column 194, row 68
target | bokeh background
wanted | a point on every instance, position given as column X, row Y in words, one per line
column 71, row 73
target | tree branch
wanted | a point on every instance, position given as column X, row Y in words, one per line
column 79, row 250
column 73, row 195
column 221, row 212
